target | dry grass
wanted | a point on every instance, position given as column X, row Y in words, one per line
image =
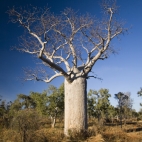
column 56, row 135
column 48, row 135
column 116, row 134
column 95, row 133
column 42, row 135
column 97, row 138
column 10, row 136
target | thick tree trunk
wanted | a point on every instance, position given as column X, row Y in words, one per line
column 75, row 105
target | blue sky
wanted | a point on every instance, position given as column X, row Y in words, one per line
column 120, row 72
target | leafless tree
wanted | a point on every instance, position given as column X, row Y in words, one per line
column 70, row 44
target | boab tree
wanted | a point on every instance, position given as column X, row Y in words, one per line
column 70, row 44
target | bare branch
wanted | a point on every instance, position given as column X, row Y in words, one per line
column 84, row 48
column 105, row 46
column 63, row 60
column 58, row 40
column 55, row 66
column 94, row 77
column 34, row 76
column 62, row 45
column 103, row 57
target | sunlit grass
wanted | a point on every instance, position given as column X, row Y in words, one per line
column 95, row 133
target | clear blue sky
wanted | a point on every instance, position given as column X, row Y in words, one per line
column 120, row 72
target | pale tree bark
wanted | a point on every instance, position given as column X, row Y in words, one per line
column 70, row 45
column 75, row 105
column 53, row 121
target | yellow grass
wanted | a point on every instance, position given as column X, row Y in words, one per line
column 95, row 133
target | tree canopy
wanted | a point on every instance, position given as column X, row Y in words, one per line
column 69, row 43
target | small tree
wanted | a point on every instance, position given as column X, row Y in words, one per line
column 140, row 94
column 4, row 113
column 26, row 122
column 55, row 107
column 124, row 103
column 22, row 102
column 135, row 114
column 69, row 44
column 101, row 104
column 128, row 106
column 40, row 100
column 91, row 100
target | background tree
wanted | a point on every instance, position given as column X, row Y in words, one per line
column 120, row 99
column 26, row 122
column 111, row 113
column 49, row 103
column 15, row 106
column 26, row 101
column 40, row 100
column 140, row 114
column 34, row 100
column 135, row 114
column 128, row 106
column 101, row 104
column 55, row 107
column 22, row 102
column 140, row 94
column 70, row 44
column 91, row 103
column 124, row 104
column 4, row 113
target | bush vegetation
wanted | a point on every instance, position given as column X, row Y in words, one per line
column 30, row 119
